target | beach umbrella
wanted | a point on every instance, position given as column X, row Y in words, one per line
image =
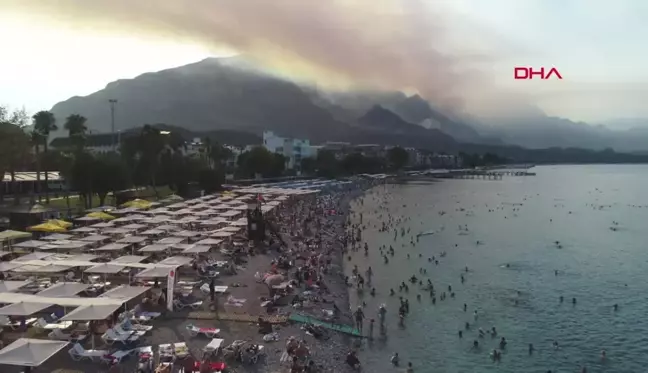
column 30, row 352
column 47, row 227
column 137, row 203
column 59, row 222
column 100, row 215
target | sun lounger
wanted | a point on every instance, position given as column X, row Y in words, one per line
column 110, row 337
column 213, row 347
column 78, row 353
column 116, row 357
column 180, row 305
column 120, row 331
column 145, row 350
column 207, row 332
column 178, row 350
column 217, row 289
column 58, row 334
column 42, row 323
column 5, row 321
column 143, row 317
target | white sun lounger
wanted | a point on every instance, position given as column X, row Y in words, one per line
column 110, row 337
column 58, row 334
column 217, row 289
column 78, row 353
column 214, row 345
column 120, row 331
column 5, row 321
column 208, row 332
column 178, row 304
column 41, row 323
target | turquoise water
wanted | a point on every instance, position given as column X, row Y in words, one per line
column 517, row 219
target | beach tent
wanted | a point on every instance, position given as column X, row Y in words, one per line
column 47, row 227
column 28, row 352
column 100, row 215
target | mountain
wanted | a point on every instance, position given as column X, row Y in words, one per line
column 208, row 95
column 540, row 131
column 219, row 94
column 381, row 119
column 417, row 110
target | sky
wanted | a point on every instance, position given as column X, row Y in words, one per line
column 459, row 54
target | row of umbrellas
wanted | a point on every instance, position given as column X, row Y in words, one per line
column 60, row 226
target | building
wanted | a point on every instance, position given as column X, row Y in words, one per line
column 293, row 149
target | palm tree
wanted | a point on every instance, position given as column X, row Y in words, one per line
column 44, row 123
column 36, row 141
column 75, row 124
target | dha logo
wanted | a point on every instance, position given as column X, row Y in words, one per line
column 527, row 73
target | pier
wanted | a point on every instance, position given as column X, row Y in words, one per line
column 484, row 174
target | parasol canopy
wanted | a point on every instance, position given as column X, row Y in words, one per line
column 100, row 215
column 28, row 352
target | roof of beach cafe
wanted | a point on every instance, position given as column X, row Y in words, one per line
column 27, row 352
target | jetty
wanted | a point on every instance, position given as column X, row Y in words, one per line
column 467, row 173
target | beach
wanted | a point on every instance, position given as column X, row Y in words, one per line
column 304, row 249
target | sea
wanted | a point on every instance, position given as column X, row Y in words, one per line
column 587, row 222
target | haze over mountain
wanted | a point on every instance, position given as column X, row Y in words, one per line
column 220, row 94
column 232, row 93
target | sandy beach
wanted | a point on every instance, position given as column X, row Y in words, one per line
column 305, row 235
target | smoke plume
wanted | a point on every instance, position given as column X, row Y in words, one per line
column 387, row 44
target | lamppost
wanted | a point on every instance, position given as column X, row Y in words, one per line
column 113, row 102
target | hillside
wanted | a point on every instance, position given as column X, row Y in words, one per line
column 218, row 94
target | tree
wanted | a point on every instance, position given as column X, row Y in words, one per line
column 36, row 141
column 44, row 123
column 326, row 163
column 260, row 161
column 14, row 147
column 397, row 157
column 308, row 165
column 109, row 175
column 75, row 124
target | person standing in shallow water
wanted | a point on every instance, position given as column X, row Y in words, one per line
column 359, row 317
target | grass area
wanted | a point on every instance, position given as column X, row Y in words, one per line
column 61, row 203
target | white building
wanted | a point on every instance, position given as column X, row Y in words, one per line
column 293, row 149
